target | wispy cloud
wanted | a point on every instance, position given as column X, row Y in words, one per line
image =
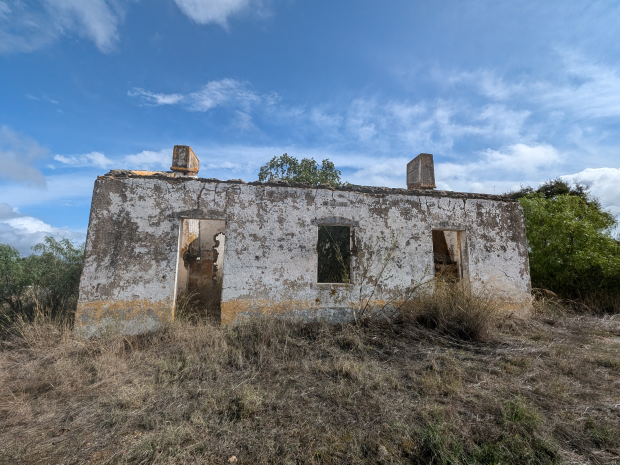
column 18, row 154
column 4, row 10
column 29, row 26
column 149, row 160
column 488, row 82
column 225, row 92
column 97, row 159
column 504, row 168
column 25, row 27
column 592, row 89
column 217, row 11
column 402, row 127
column 521, row 158
column 145, row 160
column 97, row 20
column 154, row 99
column 372, row 124
column 43, row 97
column 581, row 87
column 492, row 135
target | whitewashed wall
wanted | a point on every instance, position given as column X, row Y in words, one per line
column 270, row 259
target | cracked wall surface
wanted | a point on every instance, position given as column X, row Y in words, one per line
column 270, row 257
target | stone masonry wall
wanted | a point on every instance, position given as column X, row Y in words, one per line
column 270, row 257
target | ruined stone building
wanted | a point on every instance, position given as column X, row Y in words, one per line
column 156, row 239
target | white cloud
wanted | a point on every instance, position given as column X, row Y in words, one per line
column 370, row 171
column 581, row 87
column 225, row 92
column 212, row 11
column 531, row 128
column 43, row 97
column 370, row 124
column 18, row 154
column 604, row 183
column 149, row 160
column 4, row 9
column 24, row 29
column 402, row 127
column 145, row 160
column 28, row 27
column 593, row 90
column 217, row 93
column 95, row 19
column 151, row 98
column 23, row 232
column 234, row 161
column 502, row 169
column 495, row 87
column 500, row 121
column 487, row 82
column 521, row 158
column 97, row 159
column 61, row 188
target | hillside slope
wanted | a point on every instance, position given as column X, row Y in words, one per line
column 541, row 390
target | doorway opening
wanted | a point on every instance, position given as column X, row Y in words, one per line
column 447, row 255
column 201, row 268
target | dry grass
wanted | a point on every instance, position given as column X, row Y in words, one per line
column 456, row 310
column 543, row 390
column 595, row 303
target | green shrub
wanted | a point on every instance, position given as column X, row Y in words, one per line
column 572, row 250
column 46, row 281
column 13, row 279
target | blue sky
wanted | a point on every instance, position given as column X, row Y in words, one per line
column 502, row 93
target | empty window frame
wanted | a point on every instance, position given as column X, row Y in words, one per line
column 200, row 273
column 447, row 255
column 334, row 254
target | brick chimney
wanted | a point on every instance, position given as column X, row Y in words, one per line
column 421, row 172
column 184, row 161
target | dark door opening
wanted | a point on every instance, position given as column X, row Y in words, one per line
column 201, row 260
column 334, row 254
column 447, row 255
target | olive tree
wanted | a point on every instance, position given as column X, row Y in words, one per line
column 287, row 168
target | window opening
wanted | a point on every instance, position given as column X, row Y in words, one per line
column 201, row 260
column 447, row 255
column 334, row 254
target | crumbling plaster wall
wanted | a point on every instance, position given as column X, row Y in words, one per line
column 270, row 259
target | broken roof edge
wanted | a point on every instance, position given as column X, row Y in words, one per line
column 170, row 177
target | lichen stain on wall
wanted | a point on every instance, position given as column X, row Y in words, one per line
column 125, row 316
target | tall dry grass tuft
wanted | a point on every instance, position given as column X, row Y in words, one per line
column 456, row 309
column 598, row 303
